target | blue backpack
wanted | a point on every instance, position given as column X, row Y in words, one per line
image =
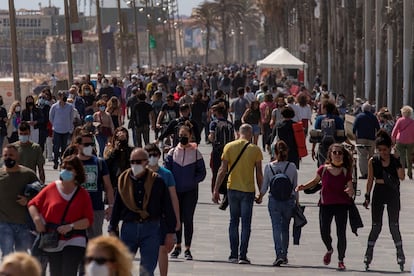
column 281, row 187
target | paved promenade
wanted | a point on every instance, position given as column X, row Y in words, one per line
column 210, row 246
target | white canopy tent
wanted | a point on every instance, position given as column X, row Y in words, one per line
column 281, row 58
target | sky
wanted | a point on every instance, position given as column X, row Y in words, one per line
column 185, row 6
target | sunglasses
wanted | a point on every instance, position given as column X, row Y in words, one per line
column 137, row 161
column 337, row 152
column 88, row 144
column 68, row 168
column 98, row 260
column 153, row 154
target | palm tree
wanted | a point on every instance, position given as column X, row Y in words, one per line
column 228, row 12
column 204, row 17
column 250, row 23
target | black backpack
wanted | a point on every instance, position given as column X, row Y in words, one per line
column 223, row 134
column 281, row 187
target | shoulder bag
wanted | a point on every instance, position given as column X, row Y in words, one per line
column 223, row 186
column 50, row 239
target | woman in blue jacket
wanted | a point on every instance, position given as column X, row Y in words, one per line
column 187, row 165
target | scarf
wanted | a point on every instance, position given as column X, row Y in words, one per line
column 126, row 191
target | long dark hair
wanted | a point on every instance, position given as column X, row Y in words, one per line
column 346, row 156
column 383, row 139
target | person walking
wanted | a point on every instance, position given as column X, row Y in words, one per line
column 280, row 210
column 336, row 197
column 30, row 153
column 61, row 118
column 385, row 171
column 284, row 131
column 239, row 106
column 34, row 117
column 14, row 230
column 403, row 136
column 241, row 190
column 13, row 121
column 141, row 201
column 105, row 128
column 365, row 127
column 47, row 210
column 154, row 154
column 186, row 163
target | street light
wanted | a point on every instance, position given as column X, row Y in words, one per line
column 133, row 4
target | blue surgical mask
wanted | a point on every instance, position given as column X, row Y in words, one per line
column 102, row 108
column 66, row 175
column 24, row 138
column 41, row 101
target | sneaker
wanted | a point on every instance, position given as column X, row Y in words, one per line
column 327, row 257
column 278, row 262
column 176, row 252
column 233, row 260
column 55, row 166
column 341, row 266
column 187, row 255
column 285, row 261
column 244, row 261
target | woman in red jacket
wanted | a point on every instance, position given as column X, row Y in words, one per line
column 47, row 211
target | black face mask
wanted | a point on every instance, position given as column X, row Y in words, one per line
column 183, row 140
column 64, row 99
column 10, row 163
column 123, row 143
column 29, row 104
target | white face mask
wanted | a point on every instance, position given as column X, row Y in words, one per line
column 17, row 109
column 87, row 151
column 94, row 269
column 137, row 169
column 153, row 161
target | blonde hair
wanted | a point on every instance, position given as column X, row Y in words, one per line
column 407, row 111
column 110, row 107
column 13, row 107
column 24, row 263
column 117, row 251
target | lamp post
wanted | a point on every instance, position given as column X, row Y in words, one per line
column 68, row 42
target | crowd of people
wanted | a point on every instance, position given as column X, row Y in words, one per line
column 103, row 175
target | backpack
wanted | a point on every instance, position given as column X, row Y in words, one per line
column 280, row 185
column 223, row 134
column 328, row 131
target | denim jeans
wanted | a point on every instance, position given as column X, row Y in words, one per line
column 14, row 237
column 146, row 236
column 60, row 141
column 280, row 213
column 241, row 206
column 102, row 140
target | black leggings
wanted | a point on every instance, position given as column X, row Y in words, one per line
column 326, row 214
column 385, row 195
column 66, row 262
column 187, row 201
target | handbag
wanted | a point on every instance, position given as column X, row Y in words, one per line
column 223, row 186
column 299, row 218
column 50, row 239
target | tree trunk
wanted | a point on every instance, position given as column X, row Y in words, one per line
column 359, row 55
column 323, row 28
